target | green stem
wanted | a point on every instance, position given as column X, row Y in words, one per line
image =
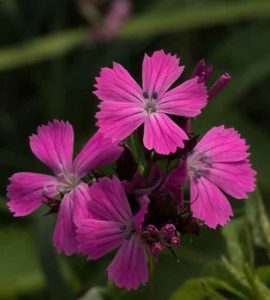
column 58, row 287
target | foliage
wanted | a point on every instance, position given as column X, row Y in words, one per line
column 244, row 279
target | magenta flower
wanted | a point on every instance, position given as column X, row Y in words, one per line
column 113, row 225
column 53, row 145
column 218, row 162
column 125, row 105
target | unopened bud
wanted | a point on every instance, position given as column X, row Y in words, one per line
column 219, row 85
column 202, row 71
column 168, row 230
column 152, row 229
column 175, row 241
column 156, row 249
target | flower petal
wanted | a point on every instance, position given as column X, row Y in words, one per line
column 117, row 120
column 129, row 267
column 109, row 201
column 208, row 203
column 27, row 191
column 81, row 199
column 97, row 238
column 98, row 152
column 64, row 233
column 186, row 99
column 223, row 145
column 53, row 145
column 175, row 181
column 140, row 215
column 117, row 85
column 162, row 134
column 235, row 179
column 160, row 71
column 73, row 211
column 177, row 177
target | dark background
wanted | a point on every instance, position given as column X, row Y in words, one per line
column 51, row 51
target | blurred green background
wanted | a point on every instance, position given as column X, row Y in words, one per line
column 50, row 53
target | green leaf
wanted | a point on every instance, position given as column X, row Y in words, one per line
column 58, row 276
column 252, row 215
column 211, row 292
column 200, row 288
column 198, row 17
column 259, row 289
column 151, row 24
column 95, row 293
column 218, row 271
column 249, row 279
column 190, row 290
column 263, row 273
column 236, row 273
column 239, row 242
column 41, row 49
column 257, row 215
column 137, row 152
column 20, row 269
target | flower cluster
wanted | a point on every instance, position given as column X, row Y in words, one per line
column 167, row 182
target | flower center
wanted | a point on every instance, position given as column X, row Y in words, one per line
column 128, row 230
column 150, row 102
column 68, row 182
column 198, row 164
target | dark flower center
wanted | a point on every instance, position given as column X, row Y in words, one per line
column 199, row 164
column 150, row 102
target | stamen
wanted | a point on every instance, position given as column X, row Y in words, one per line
column 68, row 181
column 155, row 95
column 145, row 95
column 150, row 106
column 128, row 236
column 198, row 164
column 198, row 173
column 123, row 227
column 150, row 103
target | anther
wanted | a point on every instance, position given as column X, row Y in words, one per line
column 145, row 95
column 154, row 95
column 123, row 227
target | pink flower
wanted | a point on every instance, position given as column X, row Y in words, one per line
column 218, row 162
column 53, row 145
column 125, row 105
column 113, row 225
